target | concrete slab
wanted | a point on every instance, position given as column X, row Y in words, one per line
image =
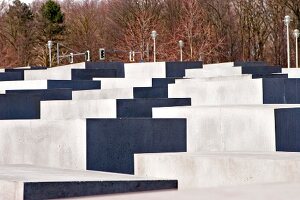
column 177, row 69
column 237, row 128
column 46, row 94
column 112, row 83
column 10, row 76
column 220, row 92
column 275, row 191
column 197, row 170
column 203, row 73
column 217, row 78
column 55, row 73
column 78, row 109
column 219, row 65
column 117, row 93
column 145, row 70
column 25, row 182
column 60, row 144
column 292, row 72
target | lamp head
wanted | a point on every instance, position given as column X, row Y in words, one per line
column 181, row 43
column 153, row 34
column 50, row 43
column 296, row 33
column 287, row 19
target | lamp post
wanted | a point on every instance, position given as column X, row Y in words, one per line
column 297, row 34
column 287, row 20
column 154, row 35
column 50, row 43
column 181, row 44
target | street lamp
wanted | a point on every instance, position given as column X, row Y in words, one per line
column 154, row 35
column 50, row 43
column 287, row 20
column 181, row 44
column 297, row 34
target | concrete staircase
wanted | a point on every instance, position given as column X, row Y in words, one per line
column 66, row 131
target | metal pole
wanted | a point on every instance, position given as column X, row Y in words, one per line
column 130, row 56
column 181, row 55
column 297, row 61
column 88, row 56
column 133, row 55
column 148, row 57
column 288, row 45
column 154, row 50
column 57, row 53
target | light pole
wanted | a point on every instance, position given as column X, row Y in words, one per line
column 287, row 20
column 154, row 35
column 181, row 44
column 297, row 34
column 50, row 43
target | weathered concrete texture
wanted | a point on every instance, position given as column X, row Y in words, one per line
column 55, row 73
column 203, row 73
column 150, row 92
column 237, row 128
column 113, row 83
column 78, row 109
column 132, row 108
column 89, row 74
column 111, row 143
column 219, row 65
column 162, row 82
column 23, row 85
column 217, row 78
column 145, row 70
column 117, row 93
column 59, row 144
column 275, row 191
column 220, row 92
column 177, row 69
column 196, row 170
column 46, row 94
column 34, row 183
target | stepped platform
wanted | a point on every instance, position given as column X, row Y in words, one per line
column 212, row 169
column 25, row 182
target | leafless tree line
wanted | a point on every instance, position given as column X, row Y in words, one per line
column 212, row 30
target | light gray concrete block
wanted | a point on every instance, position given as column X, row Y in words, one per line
column 113, row 83
column 220, row 92
column 292, row 72
column 197, row 170
column 227, row 128
column 203, row 73
column 59, row 144
column 117, row 93
column 55, row 73
column 194, row 81
column 145, row 70
column 78, row 109
column 22, row 85
column 226, row 65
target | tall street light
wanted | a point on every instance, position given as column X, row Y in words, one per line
column 154, row 35
column 287, row 20
column 181, row 44
column 50, row 43
column 297, row 34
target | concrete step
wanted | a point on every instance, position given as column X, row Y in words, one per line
column 94, row 144
column 292, row 72
column 10, row 76
column 238, row 128
column 207, row 72
column 45, row 94
column 25, row 182
column 117, row 93
column 227, row 65
column 198, row 170
column 113, row 83
column 89, row 74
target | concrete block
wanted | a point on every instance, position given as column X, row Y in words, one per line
column 150, row 92
column 128, row 108
column 162, row 82
column 145, row 70
column 226, row 65
column 14, row 106
column 55, row 73
column 262, row 70
column 25, row 182
column 117, row 93
column 89, row 74
column 60, row 144
column 249, row 63
column 197, row 170
column 78, row 109
column 270, row 76
column 10, row 76
column 118, row 66
column 112, row 83
column 292, row 72
column 203, row 73
column 177, row 69
column 238, row 128
column 111, row 143
column 46, row 94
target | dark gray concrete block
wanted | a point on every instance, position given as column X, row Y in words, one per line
column 150, row 92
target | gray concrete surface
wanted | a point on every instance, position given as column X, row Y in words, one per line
column 227, row 128
column 78, row 109
column 188, row 81
column 292, row 72
column 60, row 144
column 211, row 72
column 220, row 92
column 117, row 93
column 197, row 170
column 276, row 191
column 145, row 70
column 112, row 83
column 22, row 85
column 218, row 65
